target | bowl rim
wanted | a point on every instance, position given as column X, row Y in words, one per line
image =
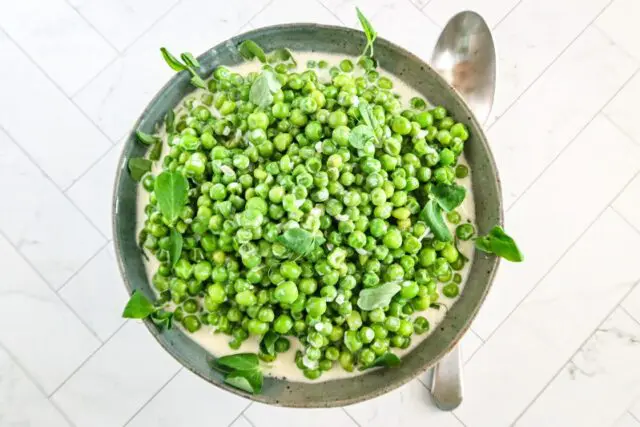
column 396, row 381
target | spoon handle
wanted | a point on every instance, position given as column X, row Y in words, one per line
column 446, row 387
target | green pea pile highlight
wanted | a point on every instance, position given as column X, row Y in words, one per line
column 296, row 207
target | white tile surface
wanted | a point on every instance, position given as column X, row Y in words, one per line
column 261, row 415
column 287, row 11
column 525, row 50
column 58, row 39
column 620, row 109
column 619, row 22
column 560, row 69
column 98, row 279
column 544, row 331
column 602, row 379
column 48, row 230
column 122, row 21
column 21, row 403
column 402, row 407
column 569, row 204
column 93, row 192
column 64, row 143
column 524, row 147
column 492, row 11
column 118, row 95
column 37, row 327
column 627, row 203
column 208, row 405
column 117, row 380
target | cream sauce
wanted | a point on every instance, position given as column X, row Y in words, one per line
column 284, row 365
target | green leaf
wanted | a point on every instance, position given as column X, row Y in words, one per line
column 369, row 32
column 239, row 362
column 263, row 88
column 367, row 114
column 145, row 138
column 171, row 190
column 249, row 381
column 169, row 121
column 432, row 215
column 197, row 81
column 501, row 244
column 448, row 197
column 267, row 344
column 190, row 60
column 388, row 360
column 175, row 246
column 360, row 135
column 282, row 55
column 138, row 307
column 300, row 241
column 380, row 296
column 138, row 166
column 162, row 319
column 156, row 151
column 250, row 49
column 173, row 62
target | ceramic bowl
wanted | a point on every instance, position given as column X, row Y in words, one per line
column 486, row 189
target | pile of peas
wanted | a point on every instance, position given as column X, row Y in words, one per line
column 254, row 173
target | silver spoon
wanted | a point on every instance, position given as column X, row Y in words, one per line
column 465, row 56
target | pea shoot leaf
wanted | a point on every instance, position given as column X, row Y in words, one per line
column 171, row 190
column 146, row 138
column 175, row 246
column 240, row 361
column 173, row 62
column 263, row 88
column 138, row 307
column 162, row 319
column 360, row 135
column 432, row 215
column 369, row 32
column 250, row 49
column 367, row 114
column 197, row 81
column 380, row 296
column 190, row 60
column 267, row 344
column 169, row 121
column 300, row 241
column 282, row 55
column 138, row 166
column 249, row 381
column 448, row 197
column 156, row 151
column 501, row 244
column 388, row 360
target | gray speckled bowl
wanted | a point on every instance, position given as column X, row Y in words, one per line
column 486, row 188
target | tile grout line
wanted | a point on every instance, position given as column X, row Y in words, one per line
column 247, row 420
column 507, row 14
column 606, row 35
column 560, row 258
column 571, row 141
column 633, row 416
column 349, row 415
column 424, row 5
column 35, row 383
column 430, row 394
column 545, row 69
column 133, row 42
column 90, row 24
column 622, row 217
column 256, row 14
column 613, row 122
column 84, row 362
column 51, row 288
column 242, row 413
column 422, row 12
column 157, row 392
column 570, row 359
column 82, row 267
column 331, row 12
column 48, row 178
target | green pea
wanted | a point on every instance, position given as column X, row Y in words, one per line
column 465, row 231
column 286, row 292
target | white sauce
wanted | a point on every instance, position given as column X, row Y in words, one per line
column 284, row 365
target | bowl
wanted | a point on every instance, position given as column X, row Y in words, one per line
column 486, row 189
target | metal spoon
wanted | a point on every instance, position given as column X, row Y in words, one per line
column 465, row 56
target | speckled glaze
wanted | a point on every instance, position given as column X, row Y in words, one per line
column 486, row 188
